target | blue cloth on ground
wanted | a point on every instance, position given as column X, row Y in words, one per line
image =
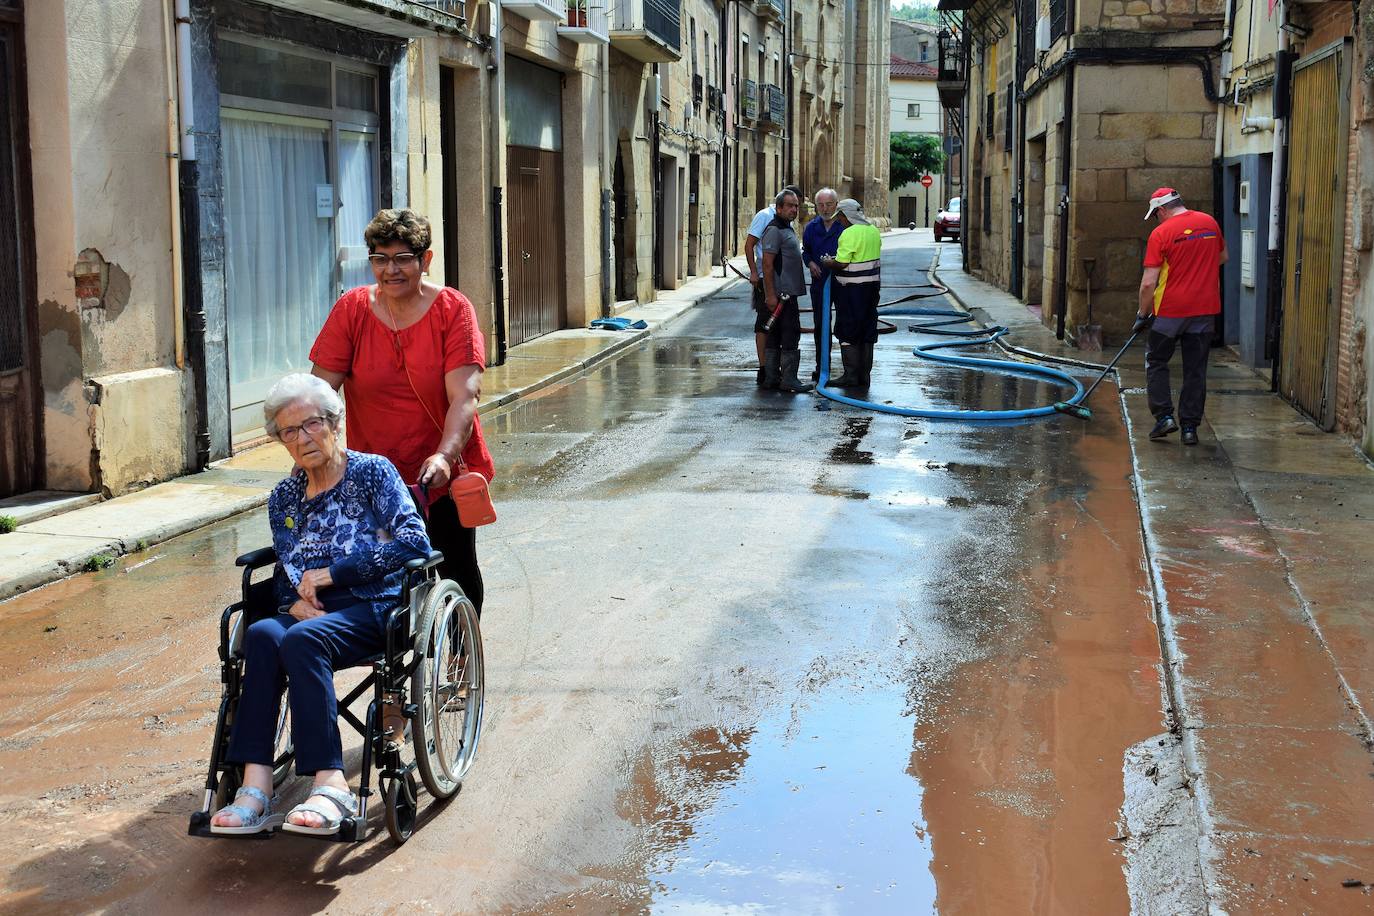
column 617, row 324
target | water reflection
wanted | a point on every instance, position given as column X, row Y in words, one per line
column 825, row 818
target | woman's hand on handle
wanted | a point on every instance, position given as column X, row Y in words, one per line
column 436, row 472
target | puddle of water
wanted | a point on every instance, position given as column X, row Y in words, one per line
column 812, row 812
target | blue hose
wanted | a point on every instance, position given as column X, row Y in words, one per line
column 966, row 338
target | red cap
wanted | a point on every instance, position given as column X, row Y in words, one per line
column 1162, row 197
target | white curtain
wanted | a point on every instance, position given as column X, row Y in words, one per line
column 358, row 204
column 279, row 255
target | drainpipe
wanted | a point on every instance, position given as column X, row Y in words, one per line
column 1283, row 61
column 192, row 302
column 787, row 91
column 174, row 185
column 496, row 97
column 1065, row 172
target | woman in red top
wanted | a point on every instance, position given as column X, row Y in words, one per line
column 410, row 357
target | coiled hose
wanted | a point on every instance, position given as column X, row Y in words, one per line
column 966, row 337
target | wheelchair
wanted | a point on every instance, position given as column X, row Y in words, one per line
column 425, row 714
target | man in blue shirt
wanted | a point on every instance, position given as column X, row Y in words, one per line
column 753, row 253
column 820, row 239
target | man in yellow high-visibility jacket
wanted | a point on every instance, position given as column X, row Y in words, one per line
column 856, row 287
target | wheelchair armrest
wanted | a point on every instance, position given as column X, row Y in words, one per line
column 434, row 559
column 256, row 559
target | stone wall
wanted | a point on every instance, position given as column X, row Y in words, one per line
column 1136, row 128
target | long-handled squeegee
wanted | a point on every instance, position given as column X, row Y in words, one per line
column 1080, row 408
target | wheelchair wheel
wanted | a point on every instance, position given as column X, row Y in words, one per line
column 401, row 807
column 447, row 688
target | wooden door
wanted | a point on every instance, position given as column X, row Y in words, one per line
column 535, row 228
column 907, row 212
column 1314, row 234
column 20, row 465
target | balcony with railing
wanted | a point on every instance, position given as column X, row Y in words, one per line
column 400, row 18
column 769, row 9
column 586, row 24
column 647, row 30
column 950, row 83
column 749, row 100
column 537, row 10
column 774, row 107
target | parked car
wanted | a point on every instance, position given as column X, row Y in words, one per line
column 947, row 221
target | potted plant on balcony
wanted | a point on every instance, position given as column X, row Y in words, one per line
column 577, row 14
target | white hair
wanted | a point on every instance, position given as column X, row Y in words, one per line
column 831, row 191
column 301, row 386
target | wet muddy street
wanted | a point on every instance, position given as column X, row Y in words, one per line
column 744, row 655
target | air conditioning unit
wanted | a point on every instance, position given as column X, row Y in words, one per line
column 1042, row 34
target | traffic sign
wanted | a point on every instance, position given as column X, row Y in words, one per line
column 927, row 181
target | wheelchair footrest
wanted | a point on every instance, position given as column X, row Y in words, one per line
column 200, row 826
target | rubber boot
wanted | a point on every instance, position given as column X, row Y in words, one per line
column 852, row 357
column 816, row 372
column 772, row 368
column 867, row 373
column 791, row 361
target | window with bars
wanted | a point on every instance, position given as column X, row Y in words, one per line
column 987, row 203
column 1059, row 18
column 990, row 113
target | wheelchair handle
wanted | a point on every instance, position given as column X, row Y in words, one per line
column 434, row 559
column 256, row 559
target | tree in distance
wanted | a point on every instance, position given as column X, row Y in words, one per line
column 913, row 155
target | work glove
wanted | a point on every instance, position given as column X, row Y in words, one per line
column 1142, row 322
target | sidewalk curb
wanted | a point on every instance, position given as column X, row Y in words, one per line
column 250, row 493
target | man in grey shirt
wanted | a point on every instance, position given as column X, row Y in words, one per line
column 784, row 281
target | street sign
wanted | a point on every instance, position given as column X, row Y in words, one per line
column 927, row 181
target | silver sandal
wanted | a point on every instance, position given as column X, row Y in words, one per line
column 344, row 804
column 250, row 821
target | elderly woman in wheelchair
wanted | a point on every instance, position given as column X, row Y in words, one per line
column 344, row 527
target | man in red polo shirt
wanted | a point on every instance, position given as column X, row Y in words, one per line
column 1179, row 301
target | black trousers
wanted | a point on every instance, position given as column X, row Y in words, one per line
column 786, row 331
column 1193, row 395
column 818, row 303
column 856, row 312
column 459, row 546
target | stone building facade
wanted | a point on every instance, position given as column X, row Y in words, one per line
column 829, row 58
column 1258, row 113
column 1074, row 114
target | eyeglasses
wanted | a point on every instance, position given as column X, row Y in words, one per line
column 313, row 426
column 402, row 261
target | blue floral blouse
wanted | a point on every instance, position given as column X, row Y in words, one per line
column 364, row 528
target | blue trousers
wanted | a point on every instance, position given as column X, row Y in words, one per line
column 304, row 653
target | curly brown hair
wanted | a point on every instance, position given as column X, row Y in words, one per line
column 405, row 226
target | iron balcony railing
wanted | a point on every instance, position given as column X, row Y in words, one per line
column 776, row 109
column 586, row 23
column 749, row 100
column 452, row 7
column 661, row 19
